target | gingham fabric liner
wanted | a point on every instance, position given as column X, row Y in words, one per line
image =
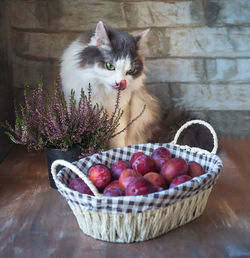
column 134, row 204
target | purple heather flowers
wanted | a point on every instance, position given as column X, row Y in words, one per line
column 47, row 120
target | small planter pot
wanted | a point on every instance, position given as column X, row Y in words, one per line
column 52, row 154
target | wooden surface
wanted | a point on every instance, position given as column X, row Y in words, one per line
column 36, row 221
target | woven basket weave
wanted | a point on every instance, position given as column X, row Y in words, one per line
column 137, row 218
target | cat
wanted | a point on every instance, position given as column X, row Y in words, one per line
column 107, row 59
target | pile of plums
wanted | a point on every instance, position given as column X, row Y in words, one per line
column 143, row 174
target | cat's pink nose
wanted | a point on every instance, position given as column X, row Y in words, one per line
column 123, row 84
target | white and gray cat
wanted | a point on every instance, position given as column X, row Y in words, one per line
column 108, row 59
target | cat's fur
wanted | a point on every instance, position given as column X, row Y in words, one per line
column 84, row 61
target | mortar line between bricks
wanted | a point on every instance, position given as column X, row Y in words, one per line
column 182, row 26
column 46, row 31
column 204, row 63
column 164, row 1
column 54, row 59
column 216, row 83
column 196, row 57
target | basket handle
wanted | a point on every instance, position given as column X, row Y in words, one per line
column 75, row 170
column 194, row 149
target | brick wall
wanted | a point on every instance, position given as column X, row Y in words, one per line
column 198, row 56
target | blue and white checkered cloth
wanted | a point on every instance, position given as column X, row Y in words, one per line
column 211, row 163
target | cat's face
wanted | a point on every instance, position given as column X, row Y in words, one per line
column 112, row 56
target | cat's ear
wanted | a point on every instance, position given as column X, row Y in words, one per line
column 141, row 38
column 101, row 36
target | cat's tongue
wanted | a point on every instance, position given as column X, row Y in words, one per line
column 121, row 86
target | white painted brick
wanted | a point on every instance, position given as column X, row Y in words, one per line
column 228, row 70
column 198, row 42
column 74, row 15
column 32, row 71
column 232, row 123
column 198, row 70
column 42, row 45
column 175, row 70
column 214, row 97
column 84, row 15
column 209, row 42
column 233, row 12
column 162, row 14
column 204, row 96
column 28, row 14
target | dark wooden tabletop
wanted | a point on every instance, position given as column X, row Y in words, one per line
column 36, row 221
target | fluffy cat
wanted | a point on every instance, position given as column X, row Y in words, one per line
column 108, row 59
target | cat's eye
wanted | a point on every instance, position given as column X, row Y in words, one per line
column 110, row 67
column 131, row 71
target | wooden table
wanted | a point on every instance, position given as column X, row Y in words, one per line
column 35, row 220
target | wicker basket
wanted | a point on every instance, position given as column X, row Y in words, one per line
column 137, row 218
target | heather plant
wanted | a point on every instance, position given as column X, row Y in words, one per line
column 48, row 120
